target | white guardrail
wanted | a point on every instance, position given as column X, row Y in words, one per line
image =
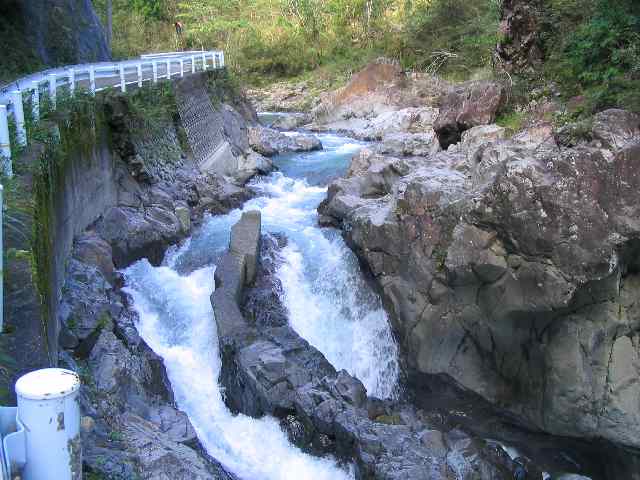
column 92, row 77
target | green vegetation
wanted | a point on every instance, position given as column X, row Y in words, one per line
column 593, row 49
column 512, row 120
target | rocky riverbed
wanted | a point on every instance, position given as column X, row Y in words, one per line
column 506, row 264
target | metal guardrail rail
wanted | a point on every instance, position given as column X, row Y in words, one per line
column 92, row 77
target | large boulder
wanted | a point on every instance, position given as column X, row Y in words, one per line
column 135, row 234
column 269, row 142
column 467, row 105
column 513, row 273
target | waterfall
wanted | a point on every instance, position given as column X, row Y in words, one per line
column 328, row 301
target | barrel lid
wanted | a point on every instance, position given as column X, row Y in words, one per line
column 47, row 383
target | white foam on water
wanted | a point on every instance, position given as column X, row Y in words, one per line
column 176, row 321
column 329, row 304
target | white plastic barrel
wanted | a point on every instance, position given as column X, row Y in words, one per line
column 48, row 408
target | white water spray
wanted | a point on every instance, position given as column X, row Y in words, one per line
column 176, row 321
column 328, row 301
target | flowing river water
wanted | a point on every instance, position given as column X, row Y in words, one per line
column 327, row 298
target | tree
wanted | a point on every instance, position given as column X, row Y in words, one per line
column 109, row 23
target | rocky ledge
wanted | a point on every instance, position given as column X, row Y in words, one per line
column 509, row 265
column 268, row 369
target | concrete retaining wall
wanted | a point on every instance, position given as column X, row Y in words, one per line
column 86, row 188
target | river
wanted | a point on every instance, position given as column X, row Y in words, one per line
column 328, row 301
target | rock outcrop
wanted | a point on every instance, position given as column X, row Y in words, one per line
column 63, row 32
column 511, row 266
column 283, row 97
column 379, row 99
column 267, row 369
column 468, row 105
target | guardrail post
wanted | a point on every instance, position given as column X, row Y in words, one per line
column 52, row 89
column 92, row 80
column 181, row 68
column 35, row 100
column 221, row 59
column 140, row 74
column 155, row 71
column 204, row 62
column 5, row 145
column 193, row 64
column 72, row 81
column 168, row 62
column 123, row 83
column 18, row 115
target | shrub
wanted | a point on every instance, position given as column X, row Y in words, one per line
column 597, row 55
column 465, row 30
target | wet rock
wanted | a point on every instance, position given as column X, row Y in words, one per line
column 91, row 249
column 262, row 303
column 89, row 308
column 269, row 142
column 270, row 370
column 468, row 105
column 252, row 164
column 158, row 457
column 184, row 216
column 135, row 234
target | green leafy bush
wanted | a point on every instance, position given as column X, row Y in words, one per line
column 594, row 50
column 458, row 34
